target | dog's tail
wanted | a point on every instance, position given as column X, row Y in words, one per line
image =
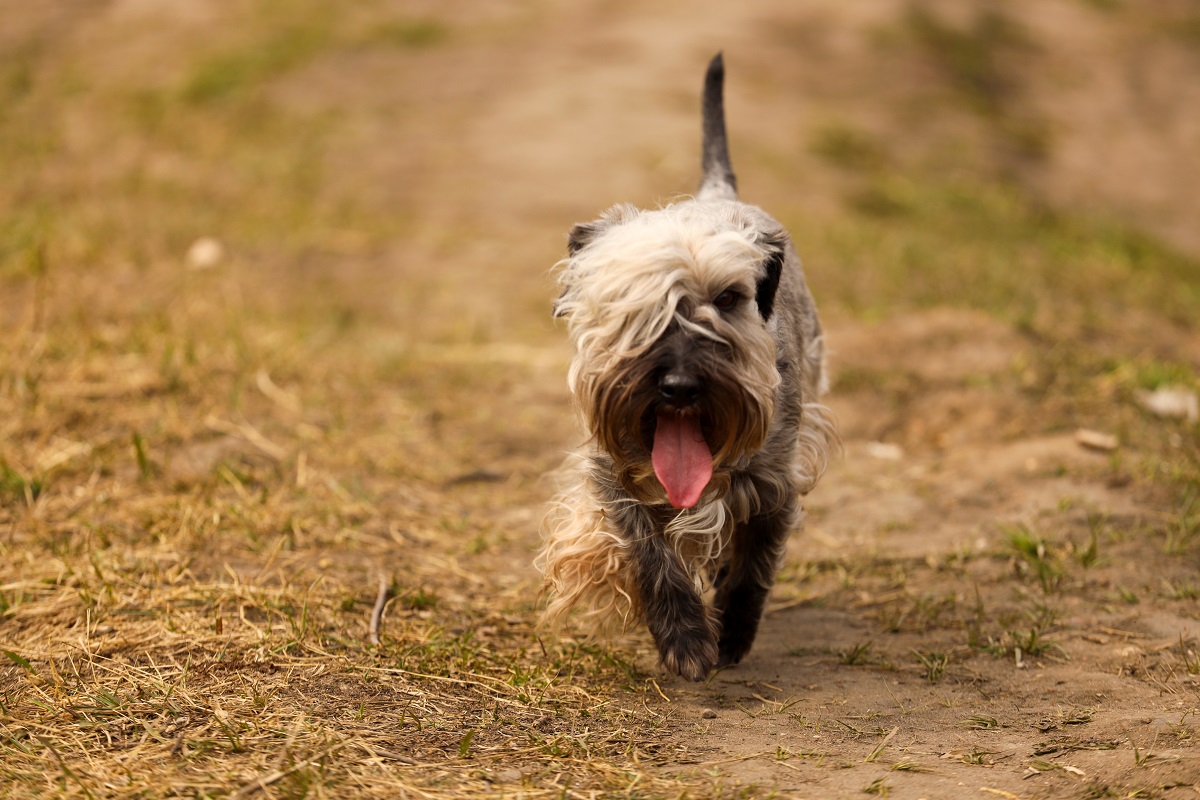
column 719, row 182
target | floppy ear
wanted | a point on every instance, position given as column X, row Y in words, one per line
column 584, row 233
column 768, row 282
column 580, row 235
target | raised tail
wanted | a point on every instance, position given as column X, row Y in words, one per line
column 719, row 182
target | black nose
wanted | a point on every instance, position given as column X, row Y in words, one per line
column 679, row 387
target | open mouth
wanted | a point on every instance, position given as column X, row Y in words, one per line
column 680, row 455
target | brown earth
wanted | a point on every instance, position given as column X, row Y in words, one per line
column 914, row 646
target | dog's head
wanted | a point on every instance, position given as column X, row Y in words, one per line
column 670, row 312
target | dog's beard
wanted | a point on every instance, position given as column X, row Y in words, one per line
column 680, row 448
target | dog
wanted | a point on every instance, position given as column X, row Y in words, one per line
column 697, row 371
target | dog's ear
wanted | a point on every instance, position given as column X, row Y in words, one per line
column 768, row 282
column 582, row 234
column 579, row 237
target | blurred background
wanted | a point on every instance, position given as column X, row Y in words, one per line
column 267, row 236
column 417, row 161
column 244, row 239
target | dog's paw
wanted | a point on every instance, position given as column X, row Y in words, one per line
column 691, row 657
column 732, row 649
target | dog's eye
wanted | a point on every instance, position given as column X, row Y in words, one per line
column 726, row 300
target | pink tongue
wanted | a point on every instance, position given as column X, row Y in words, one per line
column 681, row 458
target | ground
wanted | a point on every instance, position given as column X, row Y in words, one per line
column 275, row 279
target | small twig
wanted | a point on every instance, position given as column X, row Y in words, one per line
column 377, row 612
column 263, row 781
column 747, row 757
column 247, row 432
column 999, row 792
column 379, row 752
column 70, row 773
column 879, row 747
column 269, row 388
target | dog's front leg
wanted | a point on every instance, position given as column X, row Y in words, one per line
column 682, row 627
column 683, row 631
column 745, row 582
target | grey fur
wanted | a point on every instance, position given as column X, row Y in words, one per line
column 718, row 180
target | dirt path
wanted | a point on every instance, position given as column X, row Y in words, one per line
column 909, row 616
column 890, row 658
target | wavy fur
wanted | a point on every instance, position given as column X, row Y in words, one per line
column 710, row 289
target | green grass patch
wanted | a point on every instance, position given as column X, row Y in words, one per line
column 971, row 56
column 16, row 486
column 1034, row 556
column 849, row 148
column 919, row 242
column 415, row 33
column 282, row 48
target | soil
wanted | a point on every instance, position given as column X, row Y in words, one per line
column 843, row 659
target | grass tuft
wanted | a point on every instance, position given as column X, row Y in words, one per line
column 417, row 33
column 225, row 76
column 1033, row 554
column 18, row 487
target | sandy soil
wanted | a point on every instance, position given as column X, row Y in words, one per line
column 1051, row 725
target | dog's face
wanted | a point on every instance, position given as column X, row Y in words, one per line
column 670, row 313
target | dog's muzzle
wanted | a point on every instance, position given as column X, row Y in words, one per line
column 680, row 455
column 680, row 389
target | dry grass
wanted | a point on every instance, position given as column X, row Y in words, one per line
column 190, row 563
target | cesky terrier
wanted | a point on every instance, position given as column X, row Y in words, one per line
column 697, row 369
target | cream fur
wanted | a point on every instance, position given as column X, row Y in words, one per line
column 654, row 267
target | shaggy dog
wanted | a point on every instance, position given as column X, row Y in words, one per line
column 697, row 370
